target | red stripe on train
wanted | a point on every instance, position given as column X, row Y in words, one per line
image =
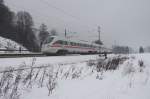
column 68, row 46
column 56, row 45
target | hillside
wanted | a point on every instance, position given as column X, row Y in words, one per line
column 10, row 45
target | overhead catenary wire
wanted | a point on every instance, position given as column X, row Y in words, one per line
column 60, row 10
column 64, row 12
column 48, row 4
column 37, row 13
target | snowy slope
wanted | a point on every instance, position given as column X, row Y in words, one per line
column 79, row 80
column 9, row 44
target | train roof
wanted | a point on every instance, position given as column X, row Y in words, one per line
column 74, row 40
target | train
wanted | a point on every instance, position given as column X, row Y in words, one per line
column 64, row 45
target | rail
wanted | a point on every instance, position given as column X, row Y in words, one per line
column 12, row 50
column 12, row 53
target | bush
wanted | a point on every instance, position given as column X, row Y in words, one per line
column 128, row 69
column 110, row 63
column 141, row 65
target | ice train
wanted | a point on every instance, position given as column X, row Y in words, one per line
column 64, row 45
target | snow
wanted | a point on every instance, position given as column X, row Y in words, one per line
column 15, row 62
column 9, row 44
column 129, row 81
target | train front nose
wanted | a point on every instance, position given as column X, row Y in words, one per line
column 46, row 45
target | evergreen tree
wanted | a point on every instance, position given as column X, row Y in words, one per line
column 1, row 1
column 6, row 21
column 99, row 42
column 141, row 49
column 53, row 32
column 121, row 49
column 43, row 33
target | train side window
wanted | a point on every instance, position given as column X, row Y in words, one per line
column 59, row 42
column 77, row 44
column 74, row 44
column 80, row 44
column 48, row 40
column 65, row 42
column 71, row 43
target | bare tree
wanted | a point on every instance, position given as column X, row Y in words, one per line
column 26, row 36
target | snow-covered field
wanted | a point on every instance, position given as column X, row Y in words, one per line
column 76, row 77
column 52, row 60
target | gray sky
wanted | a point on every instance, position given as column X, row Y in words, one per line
column 124, row 22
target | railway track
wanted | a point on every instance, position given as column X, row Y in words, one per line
column 18, row 55
column 33, row 55
column 21, row 55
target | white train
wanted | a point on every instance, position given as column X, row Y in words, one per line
column 60, row 45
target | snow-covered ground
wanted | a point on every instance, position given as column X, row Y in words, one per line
column 10, row 45
column 73, row 77
column 52, row 60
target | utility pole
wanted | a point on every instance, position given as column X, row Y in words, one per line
column 65, row 32
column 99, row 31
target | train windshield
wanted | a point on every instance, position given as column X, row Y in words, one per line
column 48, row 40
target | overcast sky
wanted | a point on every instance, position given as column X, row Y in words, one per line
column 123, row 22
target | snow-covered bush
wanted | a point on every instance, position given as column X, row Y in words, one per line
column 128, row 68
column 15, row 81
column 91, row 63
column 110, row 63
column 141, row 65
column 133, row 66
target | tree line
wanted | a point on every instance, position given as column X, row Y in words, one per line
column 121, row 49
column 127, row 50
column 20, row 28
